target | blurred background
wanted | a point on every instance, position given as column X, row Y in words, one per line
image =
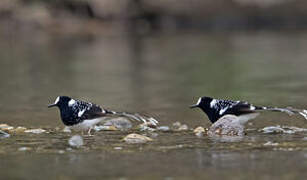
column 153, row 57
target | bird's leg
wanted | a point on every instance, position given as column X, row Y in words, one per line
column 89, row 132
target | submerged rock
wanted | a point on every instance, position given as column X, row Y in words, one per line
column 35, row 131
column 76, row 141
column 282, row 129
column 4, row 134
column 136, row 138
column 105, row 128
column 153, row 134
column 269, row 143
column 272, row 130
column 119, row 123
column 180, row 127
column 227, row 125
column 118, row 148
column 24, row 149
column 163, row 128
column 295, row 129
column 226, row 138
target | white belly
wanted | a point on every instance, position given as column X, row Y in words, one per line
column 245, row 118
column 86, row 124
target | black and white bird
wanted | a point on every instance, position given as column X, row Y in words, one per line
column 217, row 108
column 80, row 115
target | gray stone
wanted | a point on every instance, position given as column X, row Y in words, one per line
column 228, row 125
column 76, row 141
column 120, row 123
column 4, row 134
column 35, row 131
column 136, row 139
column 163, row 128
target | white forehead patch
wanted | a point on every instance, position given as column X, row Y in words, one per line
column 80, row 113
column 57, row 100
column 212, row 103
column 71, row 102
column 198, row 102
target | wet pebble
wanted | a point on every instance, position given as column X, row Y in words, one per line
column 136, row 138
column 76, row 141
column 105, row 128
column 284, row 129
column 119, row 123
column 35, row 131
column 4, row 134
column 24, row 149
column 180, row 127
column 269, row 143
column 18, row 130
column 61, row 151
column 183, row 127
column 199, row 131
column 5, row 127
column 293, row 129
column 67, row 129
column 272, row 129
column 176, row 125
column 163, row 128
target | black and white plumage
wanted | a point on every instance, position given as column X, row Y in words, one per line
column 82, row 115
column 217, row 108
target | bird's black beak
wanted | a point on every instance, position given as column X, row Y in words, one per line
column 194, row 106
column 51, row 105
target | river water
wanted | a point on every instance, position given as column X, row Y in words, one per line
column 159, row 75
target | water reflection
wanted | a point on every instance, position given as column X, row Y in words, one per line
column 226, row 138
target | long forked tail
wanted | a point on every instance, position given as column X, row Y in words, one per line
column 135, row 116
column 289, row 110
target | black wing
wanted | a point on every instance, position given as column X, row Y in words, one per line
column 219, row 108
column 84, row 110
column 80, row 111
column 238, row 109
column 93, row 112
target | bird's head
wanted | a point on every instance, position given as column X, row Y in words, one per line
column 62, row 101
column 203, row 103
column 207, row 105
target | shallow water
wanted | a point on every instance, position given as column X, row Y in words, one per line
column 159, row 75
